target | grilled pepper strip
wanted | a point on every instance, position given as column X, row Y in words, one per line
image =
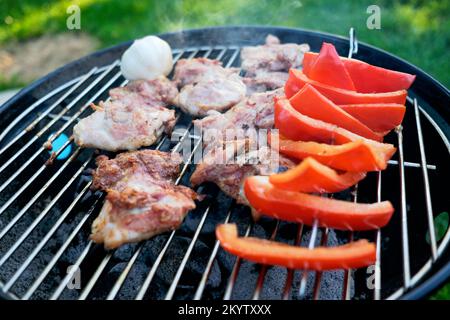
column 312, row 176
column 378, row 117
column 328, row 69
column 366, row 78
column 305, row 208
column 357, row 156
column 297, row 80
column 312, row 103
column 296, row 126
column 354, row 255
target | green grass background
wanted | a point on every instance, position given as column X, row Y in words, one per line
column 416, row 30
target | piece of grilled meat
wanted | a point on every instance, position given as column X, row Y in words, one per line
column 135, row 116
column 229, row 163
column 206, row 85
column 254, row 112
column 264, row 81
column 272, row 56
column 266, row 67
column 142, row 199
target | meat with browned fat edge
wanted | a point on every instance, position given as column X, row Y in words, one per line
column 205, row 86
column 135, row 116
column 142, row 199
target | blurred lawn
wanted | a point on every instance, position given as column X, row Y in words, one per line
column 416, row 30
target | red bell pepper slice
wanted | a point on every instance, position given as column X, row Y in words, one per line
column 312, row 103
column 328, row 69
column 378, row 117
column 312, row 176
column 358, row 156
column 296, row 126
column 366, row 78
column 353, row 255
column 305, row 208
column 297, row 80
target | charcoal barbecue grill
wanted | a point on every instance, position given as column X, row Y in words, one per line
column 47, row 206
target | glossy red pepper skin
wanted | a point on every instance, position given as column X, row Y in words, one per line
column 328, row 69
column 305, row 208
column 354, row 255
column 310, row 102
column 296, row 126
column 378, row 117
column 366, row 78
column 357, row 156
column 297, row 80
column 311, row 176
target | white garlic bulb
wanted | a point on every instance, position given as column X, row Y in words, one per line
column 147, row 59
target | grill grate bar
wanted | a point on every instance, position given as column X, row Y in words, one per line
column 51, row 123
column 290, row 272
column 180, row 270
column 90, row 285
column 426, row 182
column 38, row 194
column 212, row 257
column 413, row 164
column 157, row 262
column 42, row 148
column 115, row 289
column 318, row 278
column 154, row 268
column 43, row 99
column 44, row 240
column 72, row 271
column 377, row 290
column 82, row 109
column 61, row 250
column 346, row 294
column 235, row 271
column 311, row 245
column 29, row 181
column 263, row 271
column 43, row 213
column 405, row 241
column 47, row 111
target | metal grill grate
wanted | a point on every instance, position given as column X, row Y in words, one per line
column 32, row 184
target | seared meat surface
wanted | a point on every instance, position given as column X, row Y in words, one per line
column 142, row 199
column 264, row 81
column 135, row 116
column 272, row 56
column 158, row 92
column 228, row 169
column 206, row 85
column 266, row 67
column 254, row 112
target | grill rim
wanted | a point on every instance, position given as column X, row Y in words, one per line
column 438, row 274
column 87, row 62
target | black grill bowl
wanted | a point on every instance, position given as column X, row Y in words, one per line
column 433, row 102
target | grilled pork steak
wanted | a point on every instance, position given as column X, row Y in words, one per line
column 229, row 169
column 266, row 67
column 142, row 199
column 272, row 56
column 265, row 81
column 206, row 85
column 135, row 116
column 254, row 112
